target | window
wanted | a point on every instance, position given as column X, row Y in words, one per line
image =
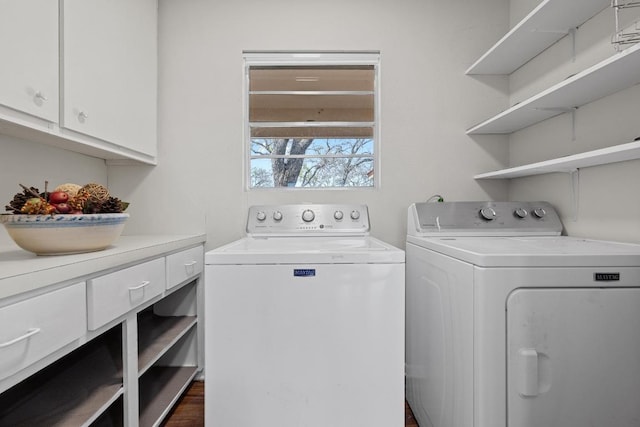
column 311, row 119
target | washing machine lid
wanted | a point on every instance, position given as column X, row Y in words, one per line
column 532, row 251
column 305, row 250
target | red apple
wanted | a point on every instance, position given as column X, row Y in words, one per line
column 63, row 208
column 58, row 197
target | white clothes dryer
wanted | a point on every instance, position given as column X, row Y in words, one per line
column 304, row 322
column 511, row 324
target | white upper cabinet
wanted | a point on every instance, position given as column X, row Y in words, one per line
column 109, row 71
column 29, row 57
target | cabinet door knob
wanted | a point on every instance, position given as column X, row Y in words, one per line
column 82, row 116
column 39, row 98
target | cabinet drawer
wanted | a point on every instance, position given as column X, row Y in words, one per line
column 115, row 294
column 183, row 265
column 35, row 328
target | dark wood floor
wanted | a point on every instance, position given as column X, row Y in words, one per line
column 189, row 412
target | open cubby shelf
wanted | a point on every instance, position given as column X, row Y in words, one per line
column 160, row 388
column 73, row 391
column 157, row 334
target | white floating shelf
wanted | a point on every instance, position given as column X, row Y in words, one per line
column 618, row 153
column 547, row 23
column 615, row 73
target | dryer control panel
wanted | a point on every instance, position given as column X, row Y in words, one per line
column 483, row 218
column 308, row 219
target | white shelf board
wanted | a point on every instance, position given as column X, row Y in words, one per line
column 618, row 153
column 619, row 71
column 547, row 23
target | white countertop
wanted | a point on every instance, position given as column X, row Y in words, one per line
column 22, row 271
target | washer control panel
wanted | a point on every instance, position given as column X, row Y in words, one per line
column 497, row 218
column 305, row 219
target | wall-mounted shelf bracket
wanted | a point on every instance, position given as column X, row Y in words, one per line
column 571, row 110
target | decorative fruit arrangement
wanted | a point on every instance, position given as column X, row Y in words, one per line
column 66, row 199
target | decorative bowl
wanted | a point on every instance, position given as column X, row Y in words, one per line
column 64, row 234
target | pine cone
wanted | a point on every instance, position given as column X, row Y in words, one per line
column 19, row 200
column 37, row 206
column 111, row 205
column 80, row 201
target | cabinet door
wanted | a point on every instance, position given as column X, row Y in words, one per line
column 574, row 357
column 29, row 52
column 110, row 71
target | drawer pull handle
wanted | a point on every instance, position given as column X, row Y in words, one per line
column 135, row 288
column 29, row 333
column 189, row 267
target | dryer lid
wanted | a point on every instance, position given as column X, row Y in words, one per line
column 532, row 251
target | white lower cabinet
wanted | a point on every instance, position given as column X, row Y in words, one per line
column 35, row 328
column 129, row 357
column 184, row 264
column 114, row 294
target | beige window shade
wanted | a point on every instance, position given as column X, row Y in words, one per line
column 306, row 99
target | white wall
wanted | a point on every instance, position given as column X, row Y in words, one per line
column 427, row 103
column 30, row 164
column 608, row 198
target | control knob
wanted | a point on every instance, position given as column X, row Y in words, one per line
column 338, row 215
column 355, row 215
column 261, row 216
column 521, row 213
column 277, row 216
column 539, row 212
column 487, row 213
column 308, row 215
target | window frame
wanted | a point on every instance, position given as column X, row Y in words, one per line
column 305, row 59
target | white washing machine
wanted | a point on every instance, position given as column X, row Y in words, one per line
column 304, row 322
column 511, row 324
